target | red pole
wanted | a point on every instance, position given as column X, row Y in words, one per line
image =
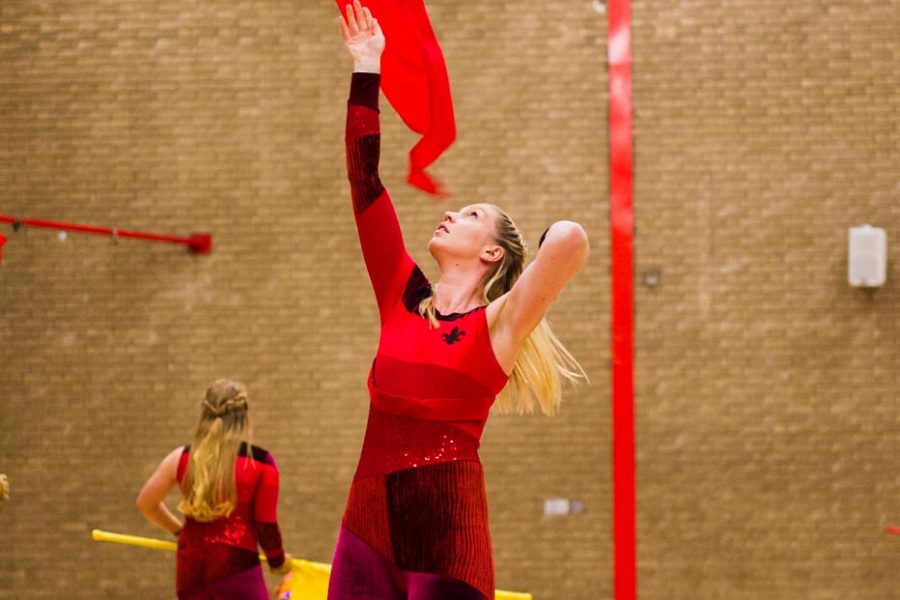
column 197, row 243
column 622, row 249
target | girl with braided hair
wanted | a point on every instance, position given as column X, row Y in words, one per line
column 229, row 495
column 416, row 524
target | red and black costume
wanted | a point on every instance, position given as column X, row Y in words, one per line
column 416, row 521
column 219, row 559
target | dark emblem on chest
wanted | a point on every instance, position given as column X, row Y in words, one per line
column 454, row 336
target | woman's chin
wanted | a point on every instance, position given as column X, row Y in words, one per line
column 439, row 247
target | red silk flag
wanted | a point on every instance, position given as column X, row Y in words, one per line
column 415, row 81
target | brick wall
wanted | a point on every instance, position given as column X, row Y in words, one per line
column 767, row 399
column 766, row 389
column 227, row 117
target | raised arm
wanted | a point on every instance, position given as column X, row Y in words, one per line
column 562, row 253
column 385, row 254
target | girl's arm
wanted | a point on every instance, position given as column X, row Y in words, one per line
column 381, row 239
column 266, row 516
column 151, row 500
column 562, row 253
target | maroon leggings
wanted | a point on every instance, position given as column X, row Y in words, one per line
column 362, row 573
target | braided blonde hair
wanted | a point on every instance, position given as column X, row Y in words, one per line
column 209, row 491
column 543, row 362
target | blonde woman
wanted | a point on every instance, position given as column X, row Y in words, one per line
column 416, row 524
column 229, row 491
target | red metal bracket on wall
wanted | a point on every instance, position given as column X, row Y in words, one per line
column 197, row 243
column 621, row 211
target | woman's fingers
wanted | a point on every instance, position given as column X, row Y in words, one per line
column 358, row 25
column 345, row 32
column 352, row 26
column 358, row 13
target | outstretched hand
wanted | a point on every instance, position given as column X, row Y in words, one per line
column 362, row 36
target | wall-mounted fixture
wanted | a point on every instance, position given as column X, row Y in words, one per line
column 556, row 507
column 197, row 243
column 650, row 278
column 867, row 260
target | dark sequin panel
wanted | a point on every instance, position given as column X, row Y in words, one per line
column 236, row 530
column 395, row 443
column 200, row 563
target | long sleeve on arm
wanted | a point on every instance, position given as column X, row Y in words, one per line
column 386, row 257
column 265, row 508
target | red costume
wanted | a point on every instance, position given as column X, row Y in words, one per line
column 219, row 559
column 416, row 522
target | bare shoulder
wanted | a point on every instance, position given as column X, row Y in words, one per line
column 170, row 463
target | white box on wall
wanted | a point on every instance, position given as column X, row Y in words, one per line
column 867, row 263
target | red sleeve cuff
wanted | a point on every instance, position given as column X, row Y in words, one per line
column 364, row 89
column 275, row 560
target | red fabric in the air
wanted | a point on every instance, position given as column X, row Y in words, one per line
column 415, row 82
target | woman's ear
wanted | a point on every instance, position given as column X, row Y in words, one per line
column 492, row 254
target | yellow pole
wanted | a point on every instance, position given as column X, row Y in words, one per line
column 132, row 540
column 309, row 580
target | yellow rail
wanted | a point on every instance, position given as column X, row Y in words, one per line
column 309, row 580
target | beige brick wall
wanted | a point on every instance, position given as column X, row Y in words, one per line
column 227, row 117
column 766, row 388
column 767, row 398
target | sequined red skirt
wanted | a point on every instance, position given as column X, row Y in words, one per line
column 418, row 500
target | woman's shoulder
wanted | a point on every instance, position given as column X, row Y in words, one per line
column 258, row 453
column 179, row 453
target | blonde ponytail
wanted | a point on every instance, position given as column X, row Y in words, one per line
column 209, row 491
column 541, row 368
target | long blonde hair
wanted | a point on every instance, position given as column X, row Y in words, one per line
column 209, row 491
column 543, row 362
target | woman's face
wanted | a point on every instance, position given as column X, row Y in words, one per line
column 466, row 233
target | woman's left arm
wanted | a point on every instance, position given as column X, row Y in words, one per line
column 266, row 510
column 151, row 500
column 561, row 255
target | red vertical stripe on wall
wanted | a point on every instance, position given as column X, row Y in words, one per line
column 622, row 242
